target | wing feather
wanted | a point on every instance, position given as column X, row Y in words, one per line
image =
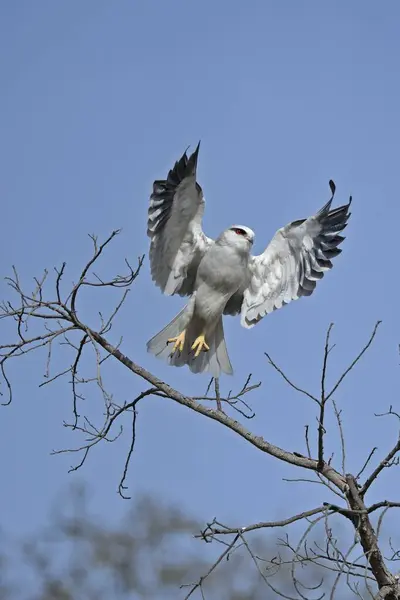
column 297, row 257
column 174, row 227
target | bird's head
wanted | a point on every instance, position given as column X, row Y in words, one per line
column 238, row 236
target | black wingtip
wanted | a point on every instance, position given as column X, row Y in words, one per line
column 196, row 153
column 332, row 187
column 192, row 162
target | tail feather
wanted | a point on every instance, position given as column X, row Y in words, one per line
column 158, row 344
column 221, row 349
column 214, row 361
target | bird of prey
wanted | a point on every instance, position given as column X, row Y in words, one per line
column 220, row 276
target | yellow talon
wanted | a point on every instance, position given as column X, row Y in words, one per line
column 200, row 344
column 178, row 342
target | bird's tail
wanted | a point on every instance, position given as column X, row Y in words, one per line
column 214, row 361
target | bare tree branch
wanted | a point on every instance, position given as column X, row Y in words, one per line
column 59, row 321
column 387, row 461
column 368, row 537
column 322, row 402
column 211, row 531
column 355, row 361
column 195, row 586
column 370, row 455
column 286, row 378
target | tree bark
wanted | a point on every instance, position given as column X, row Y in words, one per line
column 388, row 584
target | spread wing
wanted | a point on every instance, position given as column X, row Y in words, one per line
column 174, row 226
column 297, row 257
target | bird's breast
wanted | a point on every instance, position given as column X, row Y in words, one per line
column 223, row 269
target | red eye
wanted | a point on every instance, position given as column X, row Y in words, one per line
column 239, row 231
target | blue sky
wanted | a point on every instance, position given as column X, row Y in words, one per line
column 99, row 99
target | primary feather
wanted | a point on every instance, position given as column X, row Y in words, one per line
column 296, row 258
column 174, row 227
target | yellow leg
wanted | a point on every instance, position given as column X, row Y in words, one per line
column 178, row 342
column 200, row 344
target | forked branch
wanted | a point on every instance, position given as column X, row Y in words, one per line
column 43, row 319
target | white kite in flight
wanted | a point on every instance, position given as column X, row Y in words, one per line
column 220, row 276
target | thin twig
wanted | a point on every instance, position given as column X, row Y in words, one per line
column 342, row 441
column 195, row 586
column 121, row 486
column 223, row 530
column 387, row 461
column 217, row 394
column 370, row 455
column 355, row 361
column 285, row 377
column 322, row 402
